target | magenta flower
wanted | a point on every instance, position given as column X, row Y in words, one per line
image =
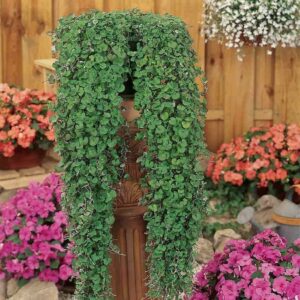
column 65, row 272
column 280, row 285
column 296, row 260
column 262, row 268
column 33, row 234
column 228, row 290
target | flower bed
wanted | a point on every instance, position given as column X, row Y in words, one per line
column 264, row 160
column 263, row 268
column 33, row 234
column 24, row 119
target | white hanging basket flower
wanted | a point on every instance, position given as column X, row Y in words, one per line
column 260, row 23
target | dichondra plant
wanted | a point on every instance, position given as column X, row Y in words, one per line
column 98, row 52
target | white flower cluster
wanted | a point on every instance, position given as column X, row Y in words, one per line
column 259, row 22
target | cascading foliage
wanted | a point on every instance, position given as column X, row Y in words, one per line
column 95, row 58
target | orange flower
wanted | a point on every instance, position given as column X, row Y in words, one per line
column 7, row 149
column 3, row 135
column 13, row 119
column 281, row 174
column 50, row 135
column 234, row 178
column 2, row 121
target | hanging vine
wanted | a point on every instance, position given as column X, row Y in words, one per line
column 97, row 52
column 91, row 70
column 168, row 98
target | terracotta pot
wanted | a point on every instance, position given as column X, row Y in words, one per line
column 23, row 158
column 128, row 269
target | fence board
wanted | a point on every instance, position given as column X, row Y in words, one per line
column 264, row 85
column 287, row 86
column 36, row 42
column 11, row 33
column 67, row 7
column 239, row 92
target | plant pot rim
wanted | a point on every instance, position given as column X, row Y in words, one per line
column 286, row 220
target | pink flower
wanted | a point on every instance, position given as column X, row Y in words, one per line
column 25, row 234
column 65, row 272
column 228, row 290
column 294, row 288
column 258, row 290
column 296, row 260
column 273, row 297
column 33, row 262
column 60, row 218
column 49, row 275
column 280, row 285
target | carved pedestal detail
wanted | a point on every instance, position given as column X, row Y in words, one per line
column 128, row 269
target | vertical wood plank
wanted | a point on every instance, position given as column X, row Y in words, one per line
column 287, row 85
column 264, row 83
column 143, row 5
column 190, row 11
column 239, row 92
column 66, row 7
column 215, row 97
column 11, row 33
column 36, row 42
column 1, row 50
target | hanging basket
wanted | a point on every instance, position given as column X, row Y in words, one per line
column 23, row 158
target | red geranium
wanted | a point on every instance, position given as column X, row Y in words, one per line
column 24, row 119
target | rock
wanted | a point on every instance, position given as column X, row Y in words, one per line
column 221, row 238
column 2, row 289
column 12, row 287
column 204, row 159
column 204, row 250
column 263, row 219
column 37, row 290
column 7, row 194
column 266, row 201
column 245, row 215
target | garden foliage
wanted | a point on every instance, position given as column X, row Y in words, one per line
column 98, row 52
column 33, row 234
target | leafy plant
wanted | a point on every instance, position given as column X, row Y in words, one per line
column 98, row 52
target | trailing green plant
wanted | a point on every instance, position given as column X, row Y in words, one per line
column 97, row 53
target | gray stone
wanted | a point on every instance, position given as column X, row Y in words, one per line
column 222, row 237
column 37, row 290
column 204, row 250
column 266, row 201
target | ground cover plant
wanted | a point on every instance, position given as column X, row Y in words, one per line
column 97, row 53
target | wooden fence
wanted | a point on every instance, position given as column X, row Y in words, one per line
column 261, row 90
